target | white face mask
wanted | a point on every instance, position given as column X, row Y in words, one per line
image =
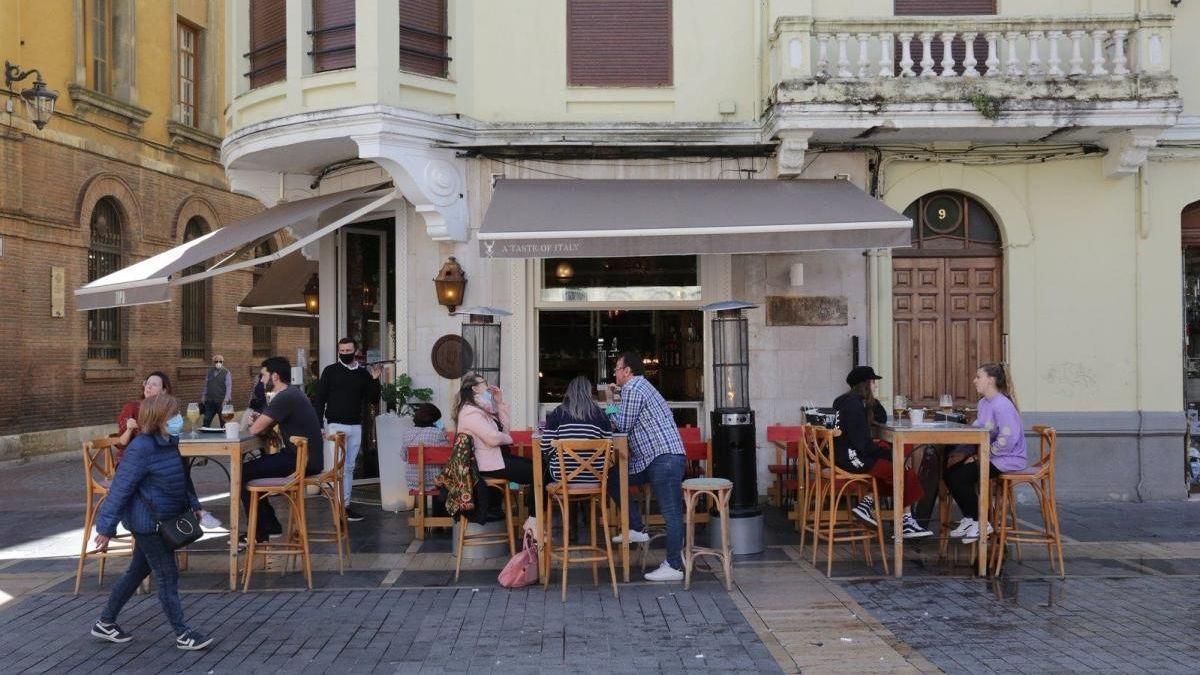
column 486, row 398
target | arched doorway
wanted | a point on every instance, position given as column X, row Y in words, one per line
column 947, row 311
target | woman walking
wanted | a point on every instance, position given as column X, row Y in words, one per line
column 150, row 485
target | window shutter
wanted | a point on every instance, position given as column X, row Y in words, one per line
column 943, row 7
column 619, row 43
column 958, row 49
column 424, row 38
column 333, row 34
column 268, row 42
column 1191, row 225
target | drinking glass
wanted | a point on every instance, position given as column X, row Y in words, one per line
column 227, row 413
column 193, row 417
column 899, row 405
column 947, row 401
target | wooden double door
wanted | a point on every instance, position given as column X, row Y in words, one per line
column 947, row 319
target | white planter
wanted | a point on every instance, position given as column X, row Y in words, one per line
column 393, row 483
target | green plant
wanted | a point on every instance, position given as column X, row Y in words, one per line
column 399, row 395
column 988, row 106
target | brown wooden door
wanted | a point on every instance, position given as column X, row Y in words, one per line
column 946, row 315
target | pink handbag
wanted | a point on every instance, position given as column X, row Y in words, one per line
column 522, row 569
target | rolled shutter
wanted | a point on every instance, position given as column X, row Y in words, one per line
column 1191, row 225
column 424, row 38
column 958, row 49
column 619, row 43
column 268, row 42
column 943, row 7
column 333, row 34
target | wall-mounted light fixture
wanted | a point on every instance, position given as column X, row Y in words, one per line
column 450, row 284
column 39, row 99
column 312, row 296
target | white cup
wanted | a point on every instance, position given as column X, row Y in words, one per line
column 233, row 431
column 916, row 415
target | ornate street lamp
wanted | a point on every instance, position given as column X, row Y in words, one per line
column 450, row 284
column 39, row 99
column 481, row 342
column 312, row 296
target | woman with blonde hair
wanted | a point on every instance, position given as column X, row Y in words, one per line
column 150, row 486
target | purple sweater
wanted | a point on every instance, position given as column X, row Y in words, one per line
column 1000, row 417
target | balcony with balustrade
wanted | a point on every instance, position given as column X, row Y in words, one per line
column 1104, row 81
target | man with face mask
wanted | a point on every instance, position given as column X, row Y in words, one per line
column 343, row 391
column 217, row 391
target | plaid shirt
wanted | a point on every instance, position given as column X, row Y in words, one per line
column 645, row 416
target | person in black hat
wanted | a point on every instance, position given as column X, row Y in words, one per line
column 857, row 452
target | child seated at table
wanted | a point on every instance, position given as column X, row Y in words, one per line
column 856, row 451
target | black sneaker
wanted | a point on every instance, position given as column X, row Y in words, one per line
column 865, row 510
column 111, row 632
column 913, row 529
column 192, row 640
column 353, row 516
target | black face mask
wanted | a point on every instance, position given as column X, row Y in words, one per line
column 346, row 358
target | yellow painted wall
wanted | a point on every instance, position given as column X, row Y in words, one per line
column 42, row 34
column 1092, row 308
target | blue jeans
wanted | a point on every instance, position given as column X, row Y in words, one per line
column 665, row 476
column 150, row 554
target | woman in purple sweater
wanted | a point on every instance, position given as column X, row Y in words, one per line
column 998, row 414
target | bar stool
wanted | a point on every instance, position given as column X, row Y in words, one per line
column 487, row 538
column 583, row 473
column 331, row 485
column 98, row 470
column 719, row 489
column 291, row 487
column 1040, row 477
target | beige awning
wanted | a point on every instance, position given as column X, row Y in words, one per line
column 601, row 218
column 277, row 298
column 150, row 280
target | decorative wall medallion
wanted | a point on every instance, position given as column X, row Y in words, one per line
column 451, row 356
column 441, row 181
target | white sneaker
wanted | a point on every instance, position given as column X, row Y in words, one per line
column 636, row 537
column 972, row 535
column 208, row 521
column 963, row 526
column 665, row 573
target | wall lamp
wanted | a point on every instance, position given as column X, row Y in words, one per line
column 39, row 99
column 450, row 284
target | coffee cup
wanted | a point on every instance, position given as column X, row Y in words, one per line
column 917, row 415
column 233, row 431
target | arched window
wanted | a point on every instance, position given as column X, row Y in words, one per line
column 104, row 257
column 944, row 222
column 193, row 330
column 263, row 337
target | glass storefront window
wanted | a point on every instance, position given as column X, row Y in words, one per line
column 656, row 279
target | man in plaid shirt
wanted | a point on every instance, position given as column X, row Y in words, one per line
column 655, row 457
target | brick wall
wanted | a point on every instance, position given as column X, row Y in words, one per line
column 46, row 191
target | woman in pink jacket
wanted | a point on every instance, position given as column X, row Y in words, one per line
column 482, row 413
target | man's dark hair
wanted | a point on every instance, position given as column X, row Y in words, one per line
column 279, row 366
column 634, row 361
column 348, row 341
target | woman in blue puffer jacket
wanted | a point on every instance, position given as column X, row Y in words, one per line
column 150, row 486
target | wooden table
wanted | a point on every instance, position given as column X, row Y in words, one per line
column 621, row 446
column 900, row 434
column 216, row 445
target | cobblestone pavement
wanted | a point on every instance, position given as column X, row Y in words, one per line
column 648, row 629
column 1136, row 624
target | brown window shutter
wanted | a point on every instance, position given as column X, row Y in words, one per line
column 619, row 43
column 943, row 7
column 1191, row 225
column 268, row 42
column 332, row 34
column 424, row 37
column 958, row 49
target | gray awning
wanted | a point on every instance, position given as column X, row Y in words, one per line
column 598, row 218
column 150, row 280
column 277, row 298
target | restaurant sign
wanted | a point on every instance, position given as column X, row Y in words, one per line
column 808, row 310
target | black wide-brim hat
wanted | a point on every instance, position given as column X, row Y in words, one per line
column 861, row 374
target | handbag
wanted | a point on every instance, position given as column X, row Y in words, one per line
column 522, row 569
column 176, row 532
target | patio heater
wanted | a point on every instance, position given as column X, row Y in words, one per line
column 481, row 342
column 735, row 452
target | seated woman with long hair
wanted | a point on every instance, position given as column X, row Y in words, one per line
column 1006, row 434
column 577, row 417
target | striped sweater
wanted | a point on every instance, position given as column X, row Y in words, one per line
column 562, row 426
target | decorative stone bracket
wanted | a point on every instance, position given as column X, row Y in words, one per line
column 433, row 180
column 792, row 147
column 1127, row 150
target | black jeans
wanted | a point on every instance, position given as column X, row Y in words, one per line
column 149, row 555
column 517, row 470
column 210, row 410
column 963, row 481
column 267, row 466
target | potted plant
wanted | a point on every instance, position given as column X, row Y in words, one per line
column 400, row 397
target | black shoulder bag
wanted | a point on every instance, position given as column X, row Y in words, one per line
column 176, row 532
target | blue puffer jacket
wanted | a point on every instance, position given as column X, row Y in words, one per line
column 151, row 471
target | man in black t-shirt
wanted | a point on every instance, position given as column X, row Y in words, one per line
column 291, row 410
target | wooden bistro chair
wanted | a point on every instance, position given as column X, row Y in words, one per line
column 584, row 466
column 331, row 484
column 786, row 440
column 1040, row 477
column 487, row 538
column 523, row 446
column 290, row 487
column 98, row 470
column 719, row 490
column 832, row 486
column 425, row 491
